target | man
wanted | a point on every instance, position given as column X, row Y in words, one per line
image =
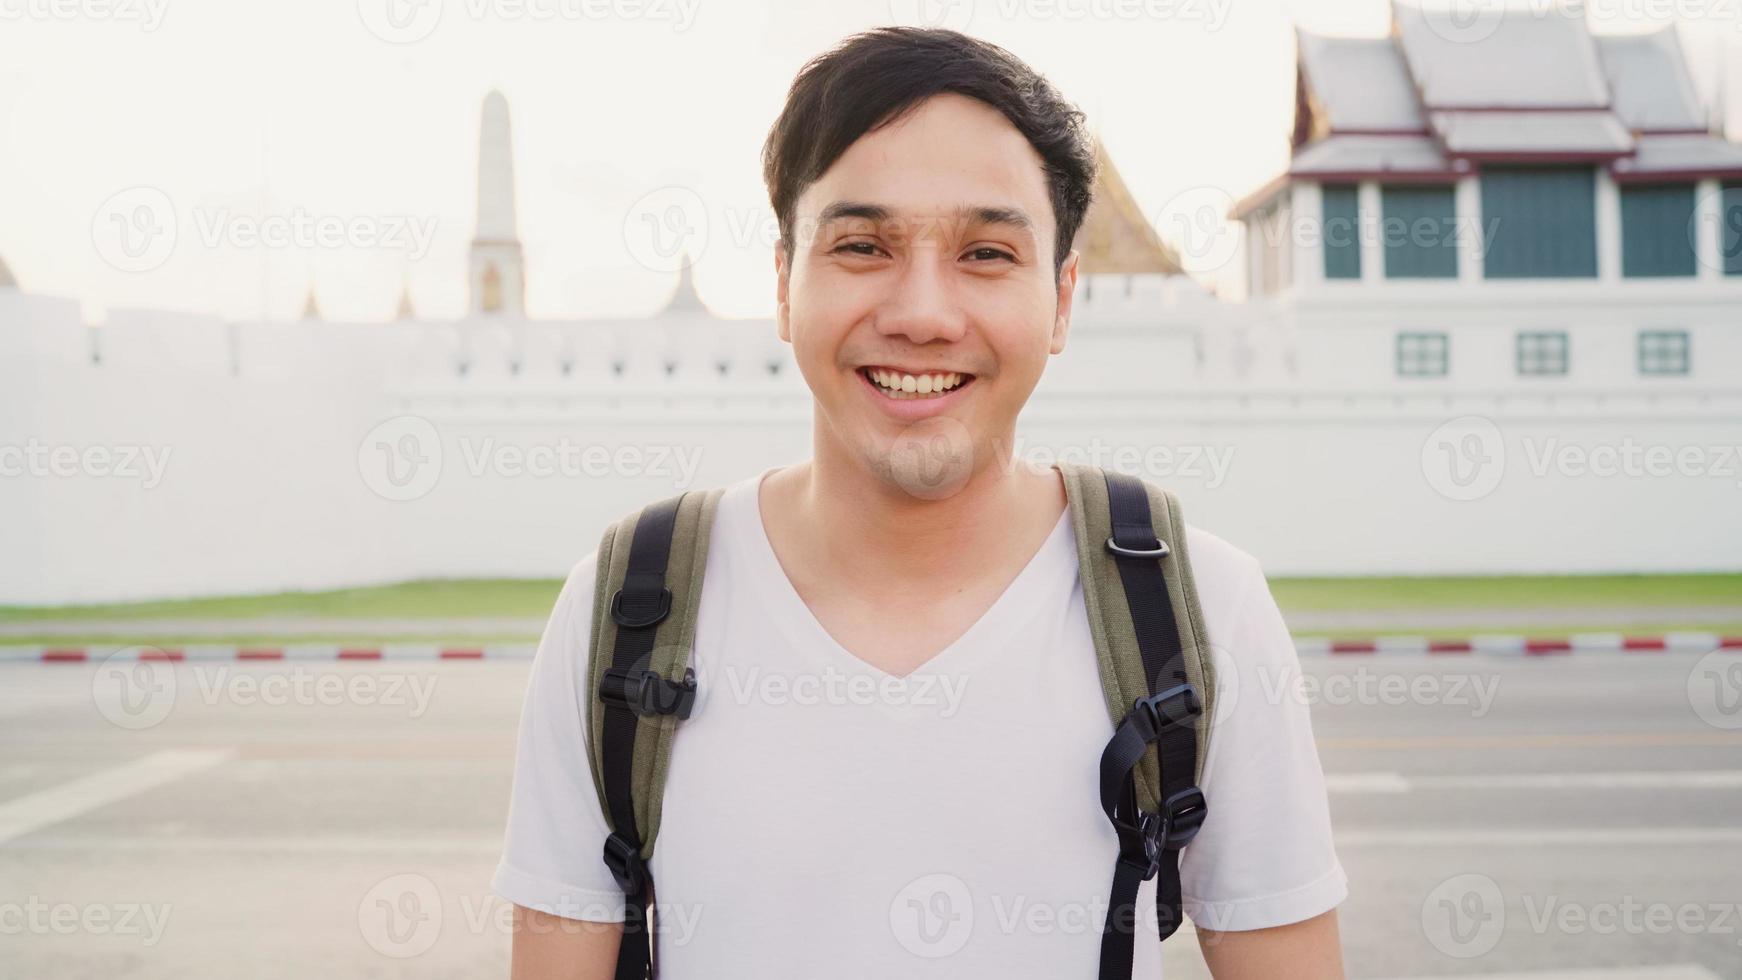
column 928, row 186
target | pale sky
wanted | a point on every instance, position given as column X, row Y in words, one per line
column 236, row 109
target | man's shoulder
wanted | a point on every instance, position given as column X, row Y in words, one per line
column 1223, row 574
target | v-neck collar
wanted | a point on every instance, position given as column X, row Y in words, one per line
column 1001, row 618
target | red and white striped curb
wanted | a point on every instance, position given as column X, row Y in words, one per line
column 1518, row 645
column 318, row 652
column 1491, row 644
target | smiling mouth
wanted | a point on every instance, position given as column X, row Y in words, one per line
column 899, row 386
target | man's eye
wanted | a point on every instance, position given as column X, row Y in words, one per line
column 857, row 248
column 985, row 252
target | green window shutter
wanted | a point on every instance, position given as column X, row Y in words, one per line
column 1657, row 227
column 1419, row 232
column 1731, row 230
column 1542, row 352
column 1421, row 355
column 1540, row 222
column 1664, row 352
column 1342, row 232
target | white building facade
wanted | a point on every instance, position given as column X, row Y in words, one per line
column 1486, row 392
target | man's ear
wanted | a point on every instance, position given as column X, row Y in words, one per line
column 1067, row 291
column 782, row 283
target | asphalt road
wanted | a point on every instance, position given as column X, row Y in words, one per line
column 1558, row 817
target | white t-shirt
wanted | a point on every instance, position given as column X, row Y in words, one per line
column 825, row 819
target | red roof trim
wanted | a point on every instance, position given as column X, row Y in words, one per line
column 1581, row 156
column 1674, row 176
column 1518, row 108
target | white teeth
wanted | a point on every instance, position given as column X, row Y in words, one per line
column 895, row 384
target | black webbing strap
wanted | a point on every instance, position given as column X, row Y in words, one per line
column 1149, row 843
column 637, row 608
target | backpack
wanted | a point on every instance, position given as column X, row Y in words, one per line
column 1150, row 645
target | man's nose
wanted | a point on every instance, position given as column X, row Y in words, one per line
column 923, row 304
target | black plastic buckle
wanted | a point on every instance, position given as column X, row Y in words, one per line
column 644, row 616
column 647, row 693
column 624, row 860
column 1185, row 812
column 1175, row 706
column 1148, row 833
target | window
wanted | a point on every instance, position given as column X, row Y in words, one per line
column 1542, row 352
column 1657, row 224
column 1421, row 355
column 1419, row 232
column 1541, row 222
column 1663, row 352
column 1730, row 229
column 1342, row 232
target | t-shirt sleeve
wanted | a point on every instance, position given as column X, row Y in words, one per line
column 551, row 857
column 1264, row 856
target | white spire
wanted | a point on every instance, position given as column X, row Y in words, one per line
column 497, row 275
column 496, row 222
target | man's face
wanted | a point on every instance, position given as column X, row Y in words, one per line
column 923, row 259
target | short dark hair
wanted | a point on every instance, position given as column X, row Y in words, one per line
column 872, row 79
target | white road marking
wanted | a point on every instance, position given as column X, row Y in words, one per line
column 1542, row 837
column 1393, row 782
column 1679, row 971
column 50, row 806
column 333, row 844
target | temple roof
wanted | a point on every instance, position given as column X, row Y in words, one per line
column 1115, row 236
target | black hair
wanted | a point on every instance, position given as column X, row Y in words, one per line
column 873, row 78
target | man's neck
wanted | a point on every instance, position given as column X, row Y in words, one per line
column 884, row 540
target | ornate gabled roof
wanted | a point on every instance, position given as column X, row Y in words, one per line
column 1115, row 236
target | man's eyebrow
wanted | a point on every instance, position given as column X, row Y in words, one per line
column 853, row 209
column 1014, row 217
column 975, row 214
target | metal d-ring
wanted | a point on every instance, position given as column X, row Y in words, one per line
column 1161, row 552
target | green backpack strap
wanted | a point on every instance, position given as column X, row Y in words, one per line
column 1121, row 662
column 647, row 590
column 1156, row 674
